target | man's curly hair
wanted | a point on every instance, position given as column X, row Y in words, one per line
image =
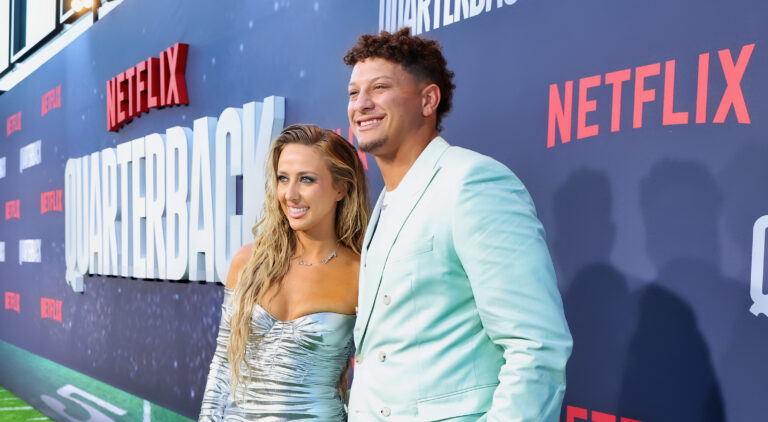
column 420, row 57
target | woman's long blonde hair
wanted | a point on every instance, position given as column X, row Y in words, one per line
column 275, row 241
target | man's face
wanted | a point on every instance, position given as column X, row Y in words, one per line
column 385, row 105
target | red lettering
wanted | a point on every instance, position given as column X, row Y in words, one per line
column 50, row 308
column 669, row 116
column 560, row 113
column 733, row 95
column 616, row 79
column 153, row 86
column 177, row 65
column 112, row 105
column 628, row 420
column 51, row 100
column 163, row 78
column 585, row 106
column 573, row 412
column 643, row 95
column 13, row 123
column 12, row 301
column 13, row 209
column 123, row 112
column 602, row 417
column 50, row 201
column 701, row 89
column 130, row 74
column 141, row 88
column 152, row 83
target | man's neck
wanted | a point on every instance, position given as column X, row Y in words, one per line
column 393, row 169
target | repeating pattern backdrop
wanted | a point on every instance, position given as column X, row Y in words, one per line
column 638, row 127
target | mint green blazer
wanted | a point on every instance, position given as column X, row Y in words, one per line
column 463, row 317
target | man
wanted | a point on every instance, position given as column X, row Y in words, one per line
column 459, row 317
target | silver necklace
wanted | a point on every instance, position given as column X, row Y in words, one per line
column 324, row 261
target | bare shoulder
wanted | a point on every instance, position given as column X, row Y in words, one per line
column 238, row 262
column 350, row 271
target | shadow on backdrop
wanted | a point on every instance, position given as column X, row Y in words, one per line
column 685, row 312
column 596, row 300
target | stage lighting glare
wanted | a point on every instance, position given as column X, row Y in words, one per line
column 76, row 6
column 87, row 4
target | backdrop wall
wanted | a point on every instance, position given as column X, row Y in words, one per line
column 639, row 129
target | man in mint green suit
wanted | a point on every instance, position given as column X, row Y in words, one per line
column 459, row 316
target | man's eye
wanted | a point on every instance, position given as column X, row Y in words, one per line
column 307, row 179
column 352, row 93
column 379, row 86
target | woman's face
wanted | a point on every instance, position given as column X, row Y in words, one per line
column 306, row 190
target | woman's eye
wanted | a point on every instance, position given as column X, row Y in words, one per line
column 282, row 179
column 307, row 179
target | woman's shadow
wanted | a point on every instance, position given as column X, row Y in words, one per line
column 669, row 375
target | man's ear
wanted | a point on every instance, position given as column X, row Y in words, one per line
column 430, row 99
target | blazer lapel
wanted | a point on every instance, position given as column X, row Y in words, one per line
column 418, row 179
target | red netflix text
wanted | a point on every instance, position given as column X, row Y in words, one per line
column 561, row 102
column 152, row 83
column 12, row 301
column 50, row 308
column 360, row 154
column 13, row 209
column 14, row 123
column 575, row 414
column 51, row 100
column 50, row 201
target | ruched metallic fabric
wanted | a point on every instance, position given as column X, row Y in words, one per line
column 295, row 365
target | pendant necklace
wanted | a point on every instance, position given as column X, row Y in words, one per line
column 323, row 261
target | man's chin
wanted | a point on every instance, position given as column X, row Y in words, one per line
column 371, row 146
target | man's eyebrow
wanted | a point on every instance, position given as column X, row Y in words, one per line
column 374, row 79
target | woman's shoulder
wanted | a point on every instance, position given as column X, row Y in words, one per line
column 239, row 260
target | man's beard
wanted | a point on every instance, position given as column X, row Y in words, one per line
column 371, row 146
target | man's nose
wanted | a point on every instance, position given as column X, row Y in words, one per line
column 363, row 101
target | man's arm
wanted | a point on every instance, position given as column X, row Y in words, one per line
column 501, row 245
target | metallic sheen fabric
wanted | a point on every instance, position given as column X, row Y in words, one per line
column 296, row 367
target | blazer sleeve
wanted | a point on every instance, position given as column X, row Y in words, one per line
column 217, row 389
column 501, row 245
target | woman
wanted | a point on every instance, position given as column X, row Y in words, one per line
column 289, row 306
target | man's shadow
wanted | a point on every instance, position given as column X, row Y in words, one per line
column 596, row 298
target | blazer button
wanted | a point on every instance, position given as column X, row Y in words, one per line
column 386, row 299
column 382, row 356
column 358, row 359
column 385, row 411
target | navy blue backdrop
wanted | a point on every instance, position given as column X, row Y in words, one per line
column 651, row 227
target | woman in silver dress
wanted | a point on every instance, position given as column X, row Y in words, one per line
column 285, row 336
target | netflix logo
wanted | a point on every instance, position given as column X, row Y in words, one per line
column 561, row 106
column 152, row 83
column 51, row 100
column 578, row 414
column 12, row 301
column 14, row 124
column 50, row 201
column 13, row 209
column 50, row 309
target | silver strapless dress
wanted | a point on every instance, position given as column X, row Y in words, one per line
column 296, row 368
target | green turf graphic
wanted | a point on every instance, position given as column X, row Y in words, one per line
column 66, row 395
column 13, row 409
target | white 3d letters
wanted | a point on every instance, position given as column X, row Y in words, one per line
column 161, row 206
